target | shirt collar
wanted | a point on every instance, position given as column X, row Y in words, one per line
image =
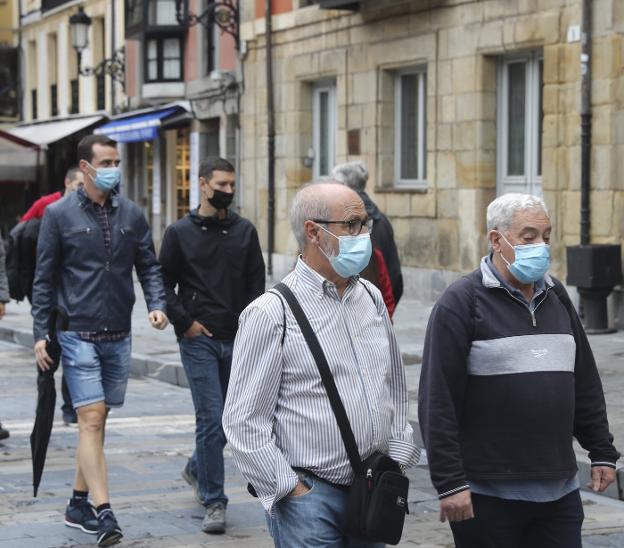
column 111, row 201
column 491, row 277
column 315, row 281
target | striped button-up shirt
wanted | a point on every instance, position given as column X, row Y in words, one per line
column 277, row 414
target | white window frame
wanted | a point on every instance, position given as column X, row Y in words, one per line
column 531, row 181
column 318, row 90
column 421, row 179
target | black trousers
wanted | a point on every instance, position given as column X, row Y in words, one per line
column 500, row 523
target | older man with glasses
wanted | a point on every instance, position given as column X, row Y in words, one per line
column 278, row 418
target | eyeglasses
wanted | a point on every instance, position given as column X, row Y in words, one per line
column 354, row 226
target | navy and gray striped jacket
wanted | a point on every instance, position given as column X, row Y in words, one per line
column 503, row 389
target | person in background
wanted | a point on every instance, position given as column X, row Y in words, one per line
column 4, row 298
column 355, row 176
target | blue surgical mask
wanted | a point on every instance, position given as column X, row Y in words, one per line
column 531, row 263
column 106, row 178
column 353, row 255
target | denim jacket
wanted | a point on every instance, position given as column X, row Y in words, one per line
column 95, row 289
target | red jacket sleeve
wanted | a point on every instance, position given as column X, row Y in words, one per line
column 385, row 285
column 36, row 210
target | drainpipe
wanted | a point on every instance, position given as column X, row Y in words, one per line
column 593, row 268
column 586, row 118
column 113, row 48
column 270, row 136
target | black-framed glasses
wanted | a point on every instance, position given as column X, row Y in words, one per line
column 354, row 226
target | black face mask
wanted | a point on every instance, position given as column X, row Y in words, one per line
column 220, row 199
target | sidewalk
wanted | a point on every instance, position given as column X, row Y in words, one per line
column 156, row 356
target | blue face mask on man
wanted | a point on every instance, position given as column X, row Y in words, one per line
column 354, row 253
column 531, row 263
column 106, row 178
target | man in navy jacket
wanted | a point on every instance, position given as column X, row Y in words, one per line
column 508, row 380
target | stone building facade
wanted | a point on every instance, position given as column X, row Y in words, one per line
column 449, row 103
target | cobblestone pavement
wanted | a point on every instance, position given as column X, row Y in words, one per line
column 147, row 444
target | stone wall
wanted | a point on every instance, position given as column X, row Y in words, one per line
column 442, row 227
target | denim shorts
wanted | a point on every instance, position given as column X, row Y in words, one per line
column 95, row 371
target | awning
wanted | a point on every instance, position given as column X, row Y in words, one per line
column 140, row 127
column 18, row 159
column 44, row 133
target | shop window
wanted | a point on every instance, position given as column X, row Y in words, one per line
column 182, row 173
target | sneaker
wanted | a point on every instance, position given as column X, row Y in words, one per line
column 81, row 515
column 214, row 521
column 191, row 479
column 4, row 433
column 108, row 532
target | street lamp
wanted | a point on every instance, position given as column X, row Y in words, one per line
column 223, row 13
column 115, row 67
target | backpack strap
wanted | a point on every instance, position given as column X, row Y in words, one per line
column 279, row 296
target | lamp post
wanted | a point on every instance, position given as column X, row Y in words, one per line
column 223, row 13
column 115, row 66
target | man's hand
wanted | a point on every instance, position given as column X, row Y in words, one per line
column 601, row 478
column 158, row 319
column 44, row 361
column 456, row 507
column 2, row 309
column 300, row 489
column 196, row 330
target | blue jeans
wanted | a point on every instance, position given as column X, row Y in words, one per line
column 95, row 371
column 207, row 365
column 314, row 519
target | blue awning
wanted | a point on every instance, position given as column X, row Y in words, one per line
column 133, row 129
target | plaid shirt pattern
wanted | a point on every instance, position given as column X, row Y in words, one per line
column 101, row 214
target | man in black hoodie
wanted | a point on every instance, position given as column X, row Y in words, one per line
column 213, row 256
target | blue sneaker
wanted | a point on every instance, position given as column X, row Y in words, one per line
column 81, row 515
column 108, row 532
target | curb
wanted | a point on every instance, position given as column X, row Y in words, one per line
column 173, row 373
column 141, row 366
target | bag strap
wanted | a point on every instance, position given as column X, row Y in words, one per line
column 328, row 380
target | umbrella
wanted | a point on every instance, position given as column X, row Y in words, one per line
column 46, row 401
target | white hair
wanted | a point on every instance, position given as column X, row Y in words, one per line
column 352, row 174
column 501, row 212
column 307, row 206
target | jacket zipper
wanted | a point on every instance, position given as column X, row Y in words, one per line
column 532, row 312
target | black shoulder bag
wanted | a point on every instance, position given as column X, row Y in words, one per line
column 377, row 501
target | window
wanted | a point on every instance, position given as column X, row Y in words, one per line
column 161, row 13
column 163, row 59
column 134, row 13
column 33, row 103
column 519, row 124
column 74, row 106
column 410, row 127
column 53, row 100
column 211, row 40
column 100, row 91
column 323, row 128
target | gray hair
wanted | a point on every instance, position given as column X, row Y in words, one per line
column 307, row 206
column 501, row 212
column 352, row 174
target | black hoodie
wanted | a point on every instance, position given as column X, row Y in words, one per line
column 218, row 268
